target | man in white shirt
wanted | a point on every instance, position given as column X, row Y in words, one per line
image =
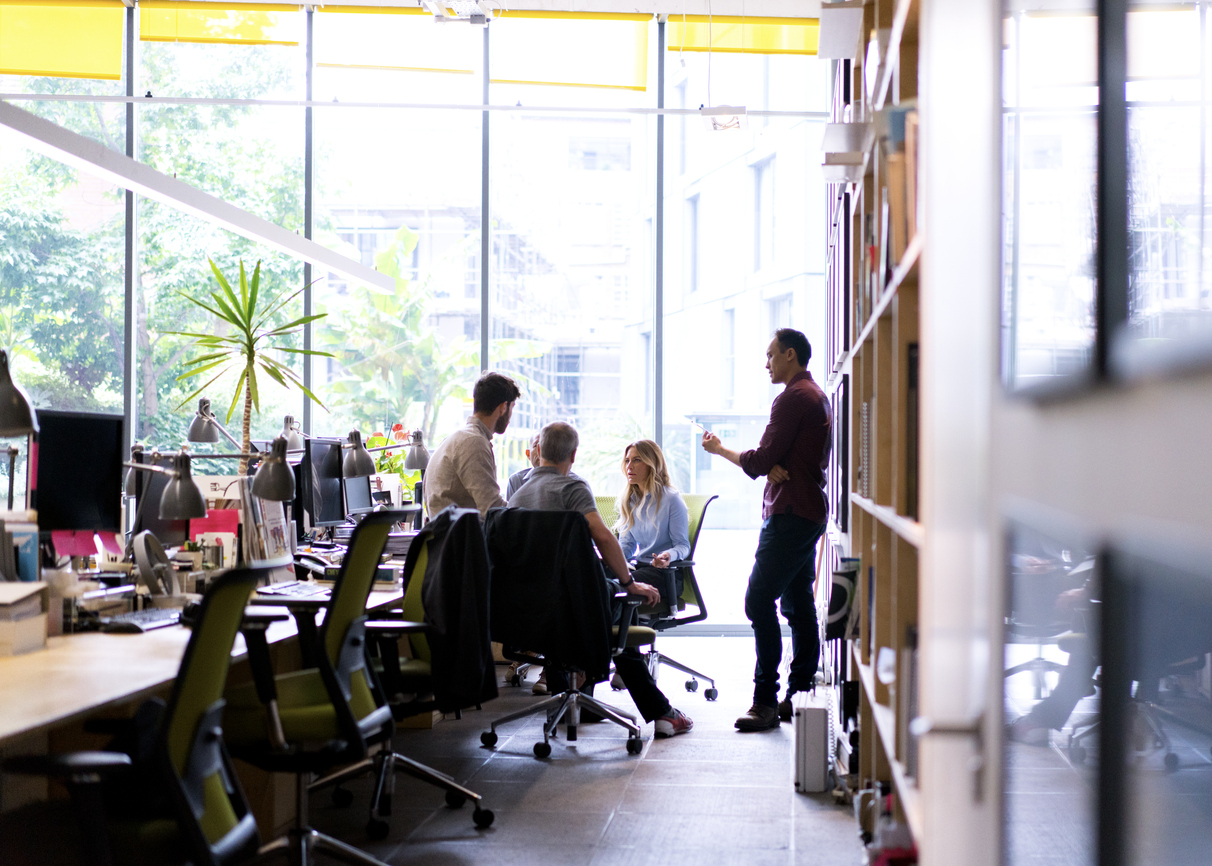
column 463, row 469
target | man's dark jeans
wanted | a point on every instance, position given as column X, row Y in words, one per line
column 784, row 571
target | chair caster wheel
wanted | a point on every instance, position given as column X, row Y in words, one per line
column 488, row 738
column 634, row 745
column 342, row 798
column 483, row 818
column 377, row 829
column 692, row 685
column 1171, row 761
column 515, row 681
column 455, row 800
column 711, row 694
column 542, row 750
column 1077, row 755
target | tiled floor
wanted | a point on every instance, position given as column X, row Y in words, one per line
column 711, row 796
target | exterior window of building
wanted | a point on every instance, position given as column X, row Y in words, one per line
column 691, row 244
column 728, row 358
column 780, row 313
column 763, row 214
column 680, row 90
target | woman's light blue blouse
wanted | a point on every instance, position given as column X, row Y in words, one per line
column 657, row 528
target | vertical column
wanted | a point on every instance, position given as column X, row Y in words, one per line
column 130, row 376
column 658, row 284
column 309, row 188
column 485, row 220
column 1111, row 290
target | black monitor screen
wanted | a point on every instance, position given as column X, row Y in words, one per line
column 79, row 471
column 323, row 495
column 357, row 495
column 149, row 489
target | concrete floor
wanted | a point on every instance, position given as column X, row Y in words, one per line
column 711, row 796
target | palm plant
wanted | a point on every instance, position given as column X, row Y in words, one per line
column 247, row 346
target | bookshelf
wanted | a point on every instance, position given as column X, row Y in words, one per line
column 875, row 245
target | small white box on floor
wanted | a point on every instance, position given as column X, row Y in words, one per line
column 810, row 720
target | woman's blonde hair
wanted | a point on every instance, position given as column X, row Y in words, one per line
column 658, row 479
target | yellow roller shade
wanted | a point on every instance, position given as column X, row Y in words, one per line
column 396, row 38
column 64, row 40
column 230, row 23
column 732, row 35
column 570, row 50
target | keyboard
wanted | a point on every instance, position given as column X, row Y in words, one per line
column 295, row 589
column 141, row 620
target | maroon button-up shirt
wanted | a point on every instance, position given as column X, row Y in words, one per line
column 798, row 438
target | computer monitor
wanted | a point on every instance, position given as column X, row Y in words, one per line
column 322, row 482
column 149, row 487
column 357, row 495
column 77, row 483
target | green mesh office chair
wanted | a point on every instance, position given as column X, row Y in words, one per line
column 325, row 717
column 400, row 677
column 177, row 798
column 690, row 606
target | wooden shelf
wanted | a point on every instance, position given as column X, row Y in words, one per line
column 908, row 263
column 908, row 529
column 885, row 724
column 891, row 59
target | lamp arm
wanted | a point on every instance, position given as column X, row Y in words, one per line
column 147, row 467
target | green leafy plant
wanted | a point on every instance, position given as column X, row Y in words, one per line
column 248, row 345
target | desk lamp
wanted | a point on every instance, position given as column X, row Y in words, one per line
column 291, row 432
column 182, row 499
column 206, row 427
column 273, row 479
column 358, row 461
column 418, row 459
column 17, row 418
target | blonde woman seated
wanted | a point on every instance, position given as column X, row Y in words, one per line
column 653, row 525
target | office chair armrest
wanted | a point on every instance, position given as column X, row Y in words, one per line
column 78, row 767
column 681, row 563
column 260, row 616
column 253, row 628
column 631, row 604
column 395, row 628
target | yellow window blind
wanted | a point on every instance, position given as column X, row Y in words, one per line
column 230, row 23
column 571, row 49
column 728, row 34
column 63, row 39
column 396, row 38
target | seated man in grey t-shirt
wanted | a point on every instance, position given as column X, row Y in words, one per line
column 550, row 487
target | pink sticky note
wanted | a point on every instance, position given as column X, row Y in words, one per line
column 112, row 542
column 69, row 542
column 217, row 520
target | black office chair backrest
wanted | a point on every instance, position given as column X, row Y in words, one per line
column 549, row 592
column 342, row 635
column 190, row 751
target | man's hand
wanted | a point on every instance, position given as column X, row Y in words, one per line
column 661, row 560
column 649, row 593
column 712, row 443
column 778, row 474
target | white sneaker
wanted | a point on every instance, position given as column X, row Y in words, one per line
column 540, row 685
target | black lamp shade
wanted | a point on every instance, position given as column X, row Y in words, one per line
column 202, row 429
column 274, row 479
column 182, row 499
column 17, row 416
column 358, row 462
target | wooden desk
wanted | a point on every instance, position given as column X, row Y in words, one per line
column 79, row 675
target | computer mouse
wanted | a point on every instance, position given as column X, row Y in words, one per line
column 122, row 628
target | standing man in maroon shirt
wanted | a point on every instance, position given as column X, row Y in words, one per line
column 793, row 455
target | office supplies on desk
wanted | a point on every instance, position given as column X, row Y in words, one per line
column 295, row 589
column 138, row 621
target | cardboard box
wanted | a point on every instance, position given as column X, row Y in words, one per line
column 22, row 630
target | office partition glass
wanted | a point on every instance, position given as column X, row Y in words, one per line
column 249, row 156
column 738, row 213
column 399, row 190
column 1049, row 97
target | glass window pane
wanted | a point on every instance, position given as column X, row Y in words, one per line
column 1049, row 136
column 1051, row 703
column 1168, row 302
column 744, row 254
column 399, row 189
column 249, row 156
column 1166, row 593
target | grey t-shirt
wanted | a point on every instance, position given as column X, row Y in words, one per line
column 547, row 490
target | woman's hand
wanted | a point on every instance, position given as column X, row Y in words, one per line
column 661, row 560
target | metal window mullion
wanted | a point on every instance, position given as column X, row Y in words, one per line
column 308, row 214
column 1111, row 294
column 130, row 376
column 485, row 221
column 658, row 290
